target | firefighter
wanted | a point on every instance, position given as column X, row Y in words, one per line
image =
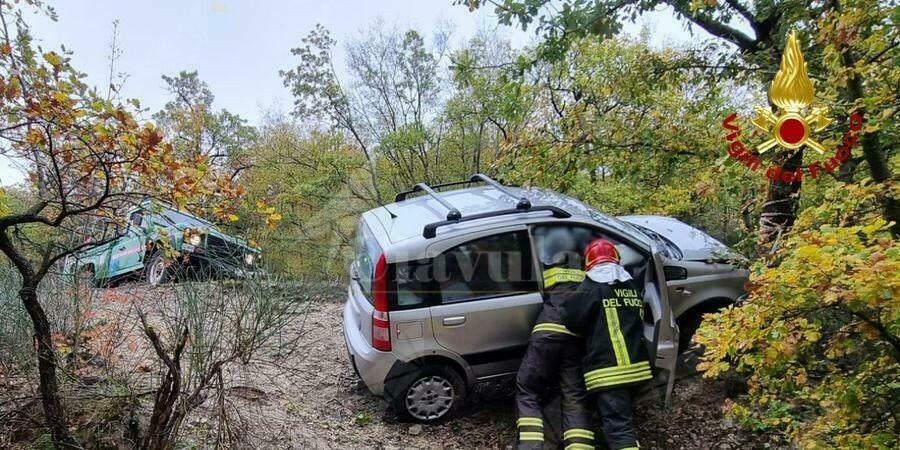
column 610, row 318
column 553, row 358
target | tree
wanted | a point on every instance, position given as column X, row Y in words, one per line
column 489, row 104
column 389, row 108
column 850, row 40
column 597, row 131
column 195, row 129
column 319, row 183
column 89, row 158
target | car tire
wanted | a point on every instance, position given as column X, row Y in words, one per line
column 433, row 395
column 156, row 272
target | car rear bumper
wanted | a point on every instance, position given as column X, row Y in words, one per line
column 372, row 366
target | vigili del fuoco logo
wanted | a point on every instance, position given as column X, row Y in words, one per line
column 793, row 126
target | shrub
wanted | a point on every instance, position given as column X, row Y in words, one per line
column 819, row 337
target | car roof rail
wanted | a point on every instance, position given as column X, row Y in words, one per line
column 430, row 230
column 405, row 194
column 452, row 213
column 523, row 203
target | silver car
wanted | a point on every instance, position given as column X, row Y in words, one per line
column 445, row 287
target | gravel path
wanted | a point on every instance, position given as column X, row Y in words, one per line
column 321, row 404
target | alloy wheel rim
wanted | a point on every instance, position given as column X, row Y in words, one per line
column 429, row 398
column 156, row 273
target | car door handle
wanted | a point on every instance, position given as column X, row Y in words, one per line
column 453, row 321
column 683, row 291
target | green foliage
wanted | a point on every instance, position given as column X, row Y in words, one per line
column 602, row 134
column 850, row 46
column 490, row 102
column 819, row 339
column 362, row 418
column 194, row 128
column 4, row 203
column 316, row 182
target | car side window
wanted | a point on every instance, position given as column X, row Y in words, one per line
column 111, row 231
column 136, row 219
column 415, row 284
column 492, row 266
column 632, row 259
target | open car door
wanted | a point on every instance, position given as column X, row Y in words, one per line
column 660, row 328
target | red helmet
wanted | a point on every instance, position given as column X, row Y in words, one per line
column 599, row 251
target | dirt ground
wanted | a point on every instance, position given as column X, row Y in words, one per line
column 320, row 403
column 315, row 400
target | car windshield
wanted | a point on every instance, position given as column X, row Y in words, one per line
column 620, row 225
column 668, row 247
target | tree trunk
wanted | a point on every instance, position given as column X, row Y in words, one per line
column 875, row 155
column 778, row 212
column 881, row 172
column 53, row 410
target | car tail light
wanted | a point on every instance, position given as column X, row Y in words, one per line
column 381, row 322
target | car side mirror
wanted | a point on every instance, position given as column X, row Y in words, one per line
column 675, row 273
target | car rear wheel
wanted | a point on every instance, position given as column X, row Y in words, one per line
column 156, row 272
column 434, row 394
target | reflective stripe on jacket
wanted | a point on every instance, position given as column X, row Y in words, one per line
column 556, row 275
column 610, row 317
column 560, row 287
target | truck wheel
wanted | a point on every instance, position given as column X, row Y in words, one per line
column 434, row 394
column 156, row 272
column 86, row 278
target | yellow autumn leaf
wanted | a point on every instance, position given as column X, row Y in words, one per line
column 52, row 58
column 63, row 348
column 34, row 136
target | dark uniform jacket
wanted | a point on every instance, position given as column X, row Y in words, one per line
column 561, row 287
column 609, row 317
column 553, row 360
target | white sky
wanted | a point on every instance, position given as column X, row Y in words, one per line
column 238, row 47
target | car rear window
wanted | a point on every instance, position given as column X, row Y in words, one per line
column 367, row 253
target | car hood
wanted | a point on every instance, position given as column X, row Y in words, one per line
column 695, row 245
